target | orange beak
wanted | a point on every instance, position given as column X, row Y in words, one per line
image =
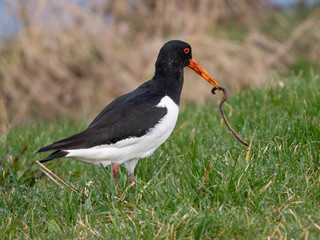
column 203, row 73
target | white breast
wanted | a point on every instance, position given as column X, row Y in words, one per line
column 134, row 147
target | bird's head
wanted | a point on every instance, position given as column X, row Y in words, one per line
column 177, row 54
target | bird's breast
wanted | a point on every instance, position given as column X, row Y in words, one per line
column 166, row 124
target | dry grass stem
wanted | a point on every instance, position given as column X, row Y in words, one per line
column 54, row 177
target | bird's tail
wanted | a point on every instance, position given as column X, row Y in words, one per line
column 56, row 154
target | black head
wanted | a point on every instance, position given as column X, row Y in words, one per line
column 174, row 54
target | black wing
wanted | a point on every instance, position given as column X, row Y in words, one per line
column 130, row 115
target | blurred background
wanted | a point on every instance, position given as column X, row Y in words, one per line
column 70, row 58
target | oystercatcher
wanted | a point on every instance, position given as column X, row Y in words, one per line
column 134, row 125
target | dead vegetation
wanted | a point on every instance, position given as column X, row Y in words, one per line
column 71, row 60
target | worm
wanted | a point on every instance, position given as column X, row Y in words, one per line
column 225, row 95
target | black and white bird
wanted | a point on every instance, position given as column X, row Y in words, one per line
column 134, row 125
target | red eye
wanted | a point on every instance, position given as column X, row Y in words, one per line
column 186, row 50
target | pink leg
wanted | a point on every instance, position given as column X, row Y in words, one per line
column 115, row 171
column 130, row 165
column 131, row 178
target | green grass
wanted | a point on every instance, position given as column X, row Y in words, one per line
column 200, row 184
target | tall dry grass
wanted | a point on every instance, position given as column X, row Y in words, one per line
column 71, row 60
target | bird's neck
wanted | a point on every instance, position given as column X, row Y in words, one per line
column 171, row 83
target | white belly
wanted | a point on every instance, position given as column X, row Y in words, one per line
column 134, row 147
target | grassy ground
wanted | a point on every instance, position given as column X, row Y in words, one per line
column 200, row 184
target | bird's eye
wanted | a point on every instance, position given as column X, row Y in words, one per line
column 186, row 50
